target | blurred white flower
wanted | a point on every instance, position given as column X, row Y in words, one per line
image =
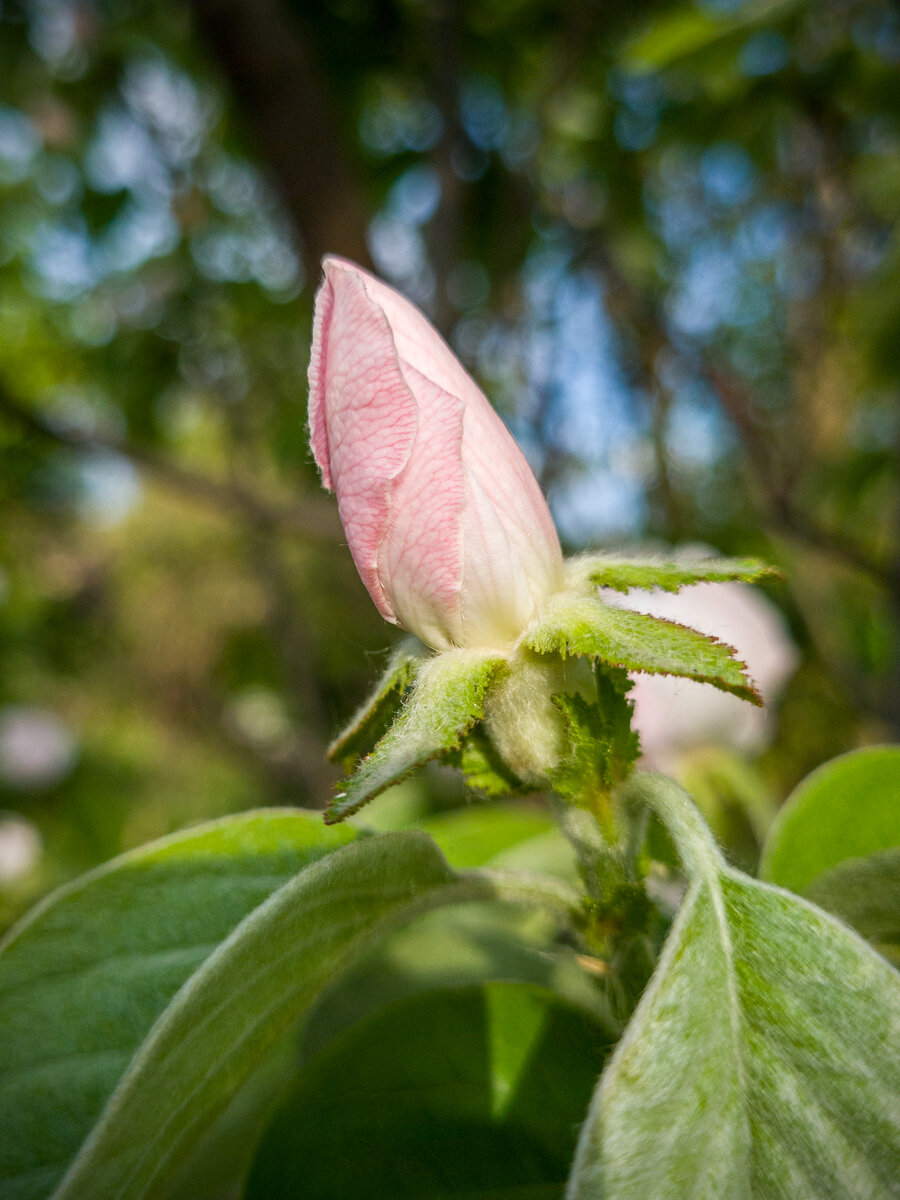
column 36, row 747
column 20, row 848
column 673, row 715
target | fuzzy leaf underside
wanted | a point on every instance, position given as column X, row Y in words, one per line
column 373, row 716
column 573, row 624
column 248, row 994
column 669, row 575
column 759, row 1064
column 446, row 700
column 84, row 977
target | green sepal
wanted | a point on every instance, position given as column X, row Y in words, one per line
column 582, row 624
column 445, row 701
column 601, row 745
column 483, row 768
column 609, row 570
column 374, row 715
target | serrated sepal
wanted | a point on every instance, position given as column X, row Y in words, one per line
column 374, row 715
column 578, row 624
column 589, row 571
column 445, row 701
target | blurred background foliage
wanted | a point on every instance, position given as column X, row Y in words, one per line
column 664, row 238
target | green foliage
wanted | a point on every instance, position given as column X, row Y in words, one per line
column 848, row 808
column 454, row 1092
column 623, row 574
column 246, row 997
column 373, row 717
column 84, row 978
column 573, row 624
column 445, row 701
column 865, row 892
column 759, row 1048
column 471, row 837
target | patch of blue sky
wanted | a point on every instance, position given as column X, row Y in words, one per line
column 727, row 173
column 763, row 233
column 398, row 252
column 19, row 145
column 139, row 232
column 484, row 113
column 415, row 195
column 708, row 294
column 764, row 53
column 123, row 154
column 595, row 417
column 62, row 259
column 696, row 435
column 110, row 489
column 169, row 102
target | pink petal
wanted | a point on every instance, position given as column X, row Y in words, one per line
column 363, row 417
column 421, row 560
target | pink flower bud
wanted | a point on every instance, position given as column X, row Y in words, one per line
column 444, row 518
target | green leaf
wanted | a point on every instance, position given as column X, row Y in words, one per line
column 670, row 575
column 847, row 808
column 682, row 33
column 462, row 1092
column 573, row 624
column 445, row 701
column 865, row 892
column 456, row 947
column 373, row 717
column 672, row 37
column 757, row 1065
column 85, row 975
column 242, row 1001
column 471, row 837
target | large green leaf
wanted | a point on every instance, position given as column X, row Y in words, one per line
column 254, row 988
column 847, row 808
column 581, row 624
column 84, row 977
column 463, row 1092
column 760, row 1063
column 445, row 701
column 247, row 994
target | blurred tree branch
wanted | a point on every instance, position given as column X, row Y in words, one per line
column 633, row 312
column 284, row 101
column 317, row 518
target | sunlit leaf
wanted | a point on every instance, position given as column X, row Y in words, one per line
column 847, row 808
column 573, row 624
column 670, row 575
column 757, row 1064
